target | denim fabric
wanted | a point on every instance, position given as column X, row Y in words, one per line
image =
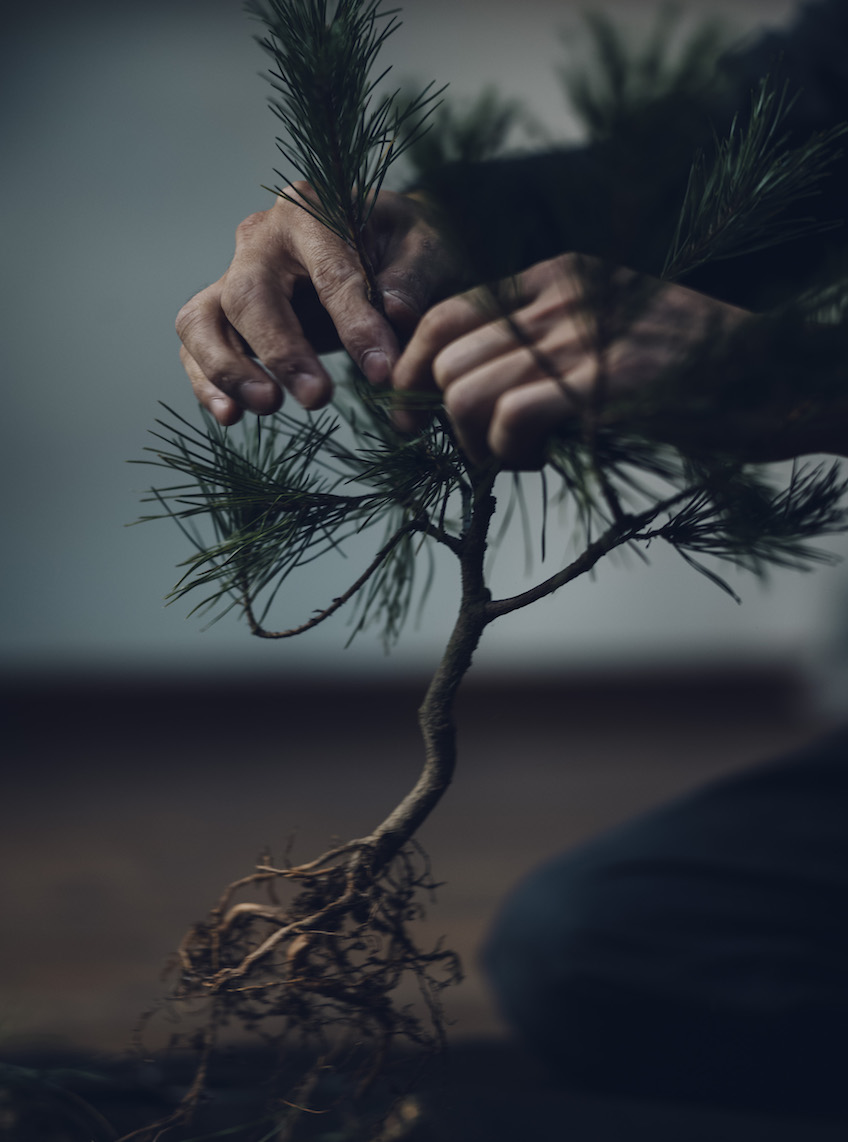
column 699, row 952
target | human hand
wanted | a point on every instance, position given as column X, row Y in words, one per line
column 508, row 384
column 294, row 290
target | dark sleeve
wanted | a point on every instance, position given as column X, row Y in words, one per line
column 812, row 54
column 606, row 200
column 621, row 199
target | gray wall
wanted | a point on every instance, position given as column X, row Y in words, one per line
column 136, row 138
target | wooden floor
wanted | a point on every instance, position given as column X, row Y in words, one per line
column 128, row 805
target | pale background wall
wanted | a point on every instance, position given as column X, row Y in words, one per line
column 136, row 138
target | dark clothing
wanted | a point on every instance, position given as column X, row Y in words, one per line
column 699, row 952
column 620, row 199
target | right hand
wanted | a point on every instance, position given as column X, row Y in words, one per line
column 507, row 395
column 294, row 290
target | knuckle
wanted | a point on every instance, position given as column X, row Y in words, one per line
column 241, row 291
column 299, row 189
column 432, row 326
column 511, row 412
column 462, row 404
column 361, row 332
column 330, row 277
column 187, row 318
column 248, row 226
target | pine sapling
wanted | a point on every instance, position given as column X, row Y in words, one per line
column 319, row 947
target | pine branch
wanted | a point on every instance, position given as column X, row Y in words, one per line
column 738, row 202
column 625, row 528
column 738, row 518
column 340, row 137
column 472, row 133
column 385, row 551
column 625, row 84
column 287, row 491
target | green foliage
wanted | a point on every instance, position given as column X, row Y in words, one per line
column 714, row 506
column 469, row 133
column 739, row 201
column 341, row 137
column 737, row 516
column 622, row 85
column 285, row 491
column 271, row 500
column 290, row 490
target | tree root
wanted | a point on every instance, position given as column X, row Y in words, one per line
column 323, row 976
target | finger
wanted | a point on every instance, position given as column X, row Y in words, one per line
column 223, row 408
column 545, row 330
column 472, row 399
column 258, row 307
column 525, row 418
column 340, row 285
column 476, row 370
column 221, row 357
column 414, row 267
column 441, row 325
column 256, row 300
column 417, row 271
column 313, row 253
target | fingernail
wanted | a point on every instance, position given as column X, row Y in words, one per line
column 307, row 389
column 220, row 406
column 375, row 365
column 405, row 299
column 257, row 396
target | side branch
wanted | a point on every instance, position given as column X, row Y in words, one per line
column 585, row 562
column 621, row 531
column 451, row 542
column 386, row 550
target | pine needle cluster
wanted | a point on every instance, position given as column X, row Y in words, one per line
column 467, row 133
column 341, row 135
column 617, row 86
column 291, row 490
column 740, row 201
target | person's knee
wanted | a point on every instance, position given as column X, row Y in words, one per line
column 538, row 946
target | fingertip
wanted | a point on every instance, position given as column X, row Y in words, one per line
column 225, row 411
column 260, row 397
column 522, row 421
column 310, row 390
column 376, row 366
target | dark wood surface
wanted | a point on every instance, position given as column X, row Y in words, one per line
column 129, row 802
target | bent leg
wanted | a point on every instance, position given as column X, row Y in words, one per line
column 700, row 952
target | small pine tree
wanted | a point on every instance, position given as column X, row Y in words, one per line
column 290, row 490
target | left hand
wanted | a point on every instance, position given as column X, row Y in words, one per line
column 506, row 395
column 294, row 290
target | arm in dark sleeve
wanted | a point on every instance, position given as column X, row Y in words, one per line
column 620, row 199
column 812, row 54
